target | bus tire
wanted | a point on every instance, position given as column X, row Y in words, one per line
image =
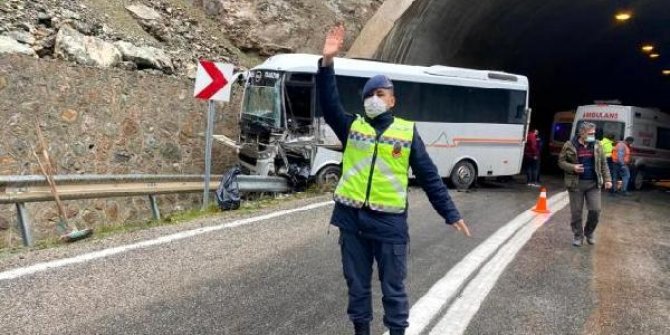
column 328, row 177
column 638, row 180
column 463, row 175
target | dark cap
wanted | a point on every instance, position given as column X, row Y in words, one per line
column 374, row 83
column 630, row 139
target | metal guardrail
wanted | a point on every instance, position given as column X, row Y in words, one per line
column 20, row 190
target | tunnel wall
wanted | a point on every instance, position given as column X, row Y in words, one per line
column 573, row 53
column 378, row 27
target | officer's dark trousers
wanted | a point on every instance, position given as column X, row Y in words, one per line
column 358, row 254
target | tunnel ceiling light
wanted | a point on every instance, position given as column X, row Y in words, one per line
column 654, row 55
column 647, row 48
column 666, row 72
column 623, row 16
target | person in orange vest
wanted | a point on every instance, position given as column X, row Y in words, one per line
column 621, row 161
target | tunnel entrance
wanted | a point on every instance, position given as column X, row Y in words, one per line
column 572, row 52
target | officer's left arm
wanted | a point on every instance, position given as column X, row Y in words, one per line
column 428, row 177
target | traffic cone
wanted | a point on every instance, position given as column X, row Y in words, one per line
column 541, row 205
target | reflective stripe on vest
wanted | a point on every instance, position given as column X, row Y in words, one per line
column 626, row 156
column 387, row 180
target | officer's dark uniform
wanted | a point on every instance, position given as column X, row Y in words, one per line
column 367, row 235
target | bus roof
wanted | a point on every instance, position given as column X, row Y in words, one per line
column 437, row 74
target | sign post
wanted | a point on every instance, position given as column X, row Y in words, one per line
column 211, row 110
column 212, row 83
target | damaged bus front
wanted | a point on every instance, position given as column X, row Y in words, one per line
column 280, row 131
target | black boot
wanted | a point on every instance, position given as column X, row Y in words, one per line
column 361, row 329
column 397, row 331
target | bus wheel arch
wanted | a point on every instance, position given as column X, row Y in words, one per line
column 464, row 174
column 328, row 177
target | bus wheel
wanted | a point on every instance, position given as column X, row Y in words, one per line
column 638, row 182
column 463, row 175
column 328, row 177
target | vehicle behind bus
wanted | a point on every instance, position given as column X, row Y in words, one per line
column 560, row 133
column 648, row 126
column 472, row 122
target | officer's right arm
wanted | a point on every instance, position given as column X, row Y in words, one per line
column 329, row 96
column 331, row 106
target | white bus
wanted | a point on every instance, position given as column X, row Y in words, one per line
column 650, row 128
column 472, row 122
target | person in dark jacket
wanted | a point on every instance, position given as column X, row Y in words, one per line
column 530, row 159
column 540, row 145
column 373, row 224
column 585, row 170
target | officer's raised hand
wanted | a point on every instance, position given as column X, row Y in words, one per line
column 462, row 227
column 333, row 45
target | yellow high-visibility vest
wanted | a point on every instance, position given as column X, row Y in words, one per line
column 375, row 170
column 607, row 145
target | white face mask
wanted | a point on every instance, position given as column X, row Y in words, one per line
column 374, row 106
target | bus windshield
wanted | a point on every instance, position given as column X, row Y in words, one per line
column 605, row 127
column 262, row 99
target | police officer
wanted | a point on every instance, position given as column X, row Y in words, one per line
column 371, row 196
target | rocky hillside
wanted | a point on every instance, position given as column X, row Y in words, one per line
column 109, row 82
column 269, row 26
column 168, row 36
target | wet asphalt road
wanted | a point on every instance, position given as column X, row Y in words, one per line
column 283, row 275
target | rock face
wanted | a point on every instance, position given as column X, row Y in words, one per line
column 154, row 35
column 86, row 50
column 9, row 45
column 146, row 57
column 232, row 31
column 143, row 12
column 22, row 36
column 271, row 26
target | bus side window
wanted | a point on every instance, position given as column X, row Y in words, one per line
column 351, row 90
column 517, row 107
column 408, row 100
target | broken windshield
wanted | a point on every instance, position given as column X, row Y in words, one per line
column 262, row 102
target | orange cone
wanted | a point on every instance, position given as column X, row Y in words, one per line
column 541, row 206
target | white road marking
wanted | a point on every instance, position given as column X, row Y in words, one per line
column 430, row 305
column 464, row 308
column 28, row 270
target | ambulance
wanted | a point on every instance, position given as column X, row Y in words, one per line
column 649, row 126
